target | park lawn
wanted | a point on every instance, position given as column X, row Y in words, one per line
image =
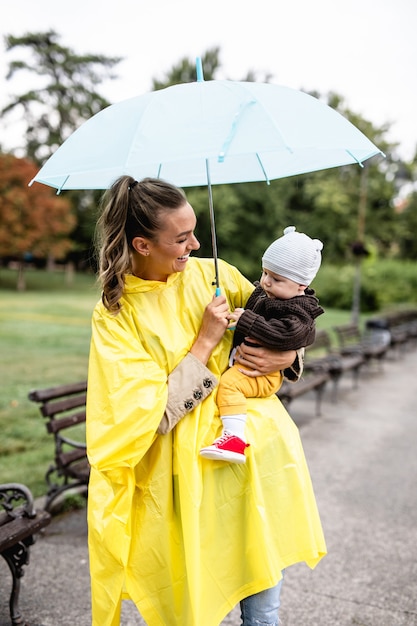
column 45, row 336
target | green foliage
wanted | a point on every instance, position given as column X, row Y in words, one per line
column 323, row 204
column 407, row 221
column 66, row 95
column 384, row 284
column 185, row 70
column 248, row 217
column 73, row 502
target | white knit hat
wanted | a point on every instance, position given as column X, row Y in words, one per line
column 295, row 256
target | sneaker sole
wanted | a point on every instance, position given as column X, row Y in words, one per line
column 221, row 455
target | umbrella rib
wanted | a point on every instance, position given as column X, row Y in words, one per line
column 354, row 158
column 60, row 188
column 233, row 129
column 268, row 182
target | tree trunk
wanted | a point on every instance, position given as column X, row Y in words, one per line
column 69, row 272
column 50, row 263
column 21, row 279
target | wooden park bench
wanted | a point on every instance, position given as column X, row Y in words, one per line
column 323, row 355
column 352, row 341
column 400, row 327
column 311, row 380
column 64, row 409
column 19, row 524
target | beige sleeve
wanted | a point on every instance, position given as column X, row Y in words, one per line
column 188, row 385
column 294, row 373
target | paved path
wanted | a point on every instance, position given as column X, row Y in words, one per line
column 362, row 455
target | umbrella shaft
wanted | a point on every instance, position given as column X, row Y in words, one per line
column 212, row 226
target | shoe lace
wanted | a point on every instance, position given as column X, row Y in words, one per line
column 223, row 438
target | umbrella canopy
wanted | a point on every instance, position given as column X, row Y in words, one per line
column 204, row 133
column 243, row 131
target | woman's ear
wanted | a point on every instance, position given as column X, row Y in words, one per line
column 141, row 245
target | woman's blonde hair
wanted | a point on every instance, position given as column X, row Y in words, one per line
column 129, row 209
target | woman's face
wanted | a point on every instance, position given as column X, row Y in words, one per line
column 170, row 251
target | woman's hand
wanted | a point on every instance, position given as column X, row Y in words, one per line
column 213, row 326
column 262, row 360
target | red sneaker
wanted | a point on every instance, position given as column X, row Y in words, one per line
column 228, row 447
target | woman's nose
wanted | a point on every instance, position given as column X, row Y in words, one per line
column 194, row 244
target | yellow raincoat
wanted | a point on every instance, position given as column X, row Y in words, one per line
column 184, row 537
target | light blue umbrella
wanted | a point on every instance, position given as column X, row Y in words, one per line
column 207, row 133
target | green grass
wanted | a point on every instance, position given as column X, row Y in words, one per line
column 45, row 336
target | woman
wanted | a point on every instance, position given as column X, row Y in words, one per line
column 183, row 537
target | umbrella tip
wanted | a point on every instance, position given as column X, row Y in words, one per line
column 199, row 68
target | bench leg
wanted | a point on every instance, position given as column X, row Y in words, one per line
column 16, row 557
column 319, row 398
column 335, row 391
column 355, row 374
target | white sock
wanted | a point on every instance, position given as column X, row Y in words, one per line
column 235, row 424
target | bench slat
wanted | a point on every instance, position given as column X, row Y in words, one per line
column 22, row 527
column 54, row 426
column 67, row 458
column 50, row 409
column 45, row 395
column 63, row 407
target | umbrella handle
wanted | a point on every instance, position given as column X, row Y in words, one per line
column 218, row 293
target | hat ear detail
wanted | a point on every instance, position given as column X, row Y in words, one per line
column 289, row 229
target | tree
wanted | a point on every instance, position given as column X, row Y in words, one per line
column 33, row 221
column 349, row 206
column 65, row 97
column 67, row 91
column 406, row 208
column 185, row 70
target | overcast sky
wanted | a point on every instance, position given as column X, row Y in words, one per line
column 364, row 50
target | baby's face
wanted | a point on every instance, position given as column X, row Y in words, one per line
column 276, row 286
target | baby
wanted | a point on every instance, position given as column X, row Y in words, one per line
column 280, row 314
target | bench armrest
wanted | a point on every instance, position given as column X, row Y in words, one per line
column 16, row 500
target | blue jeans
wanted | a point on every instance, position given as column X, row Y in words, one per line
column 262, row 608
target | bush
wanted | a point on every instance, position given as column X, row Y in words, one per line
column 383, row 283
